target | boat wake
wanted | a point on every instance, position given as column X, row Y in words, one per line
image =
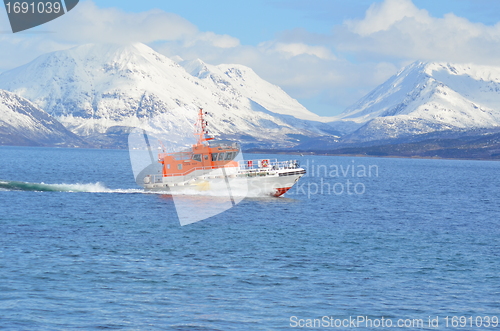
column 101, row 188
column 42, row 187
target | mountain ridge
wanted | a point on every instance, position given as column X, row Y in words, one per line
column 96, row 87
column 23, row 123
column 101, row 91
column 425, row 97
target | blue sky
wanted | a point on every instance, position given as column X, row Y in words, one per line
column 325, row 53
column 255, row 21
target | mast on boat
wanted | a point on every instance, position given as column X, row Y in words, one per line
column 202, row 125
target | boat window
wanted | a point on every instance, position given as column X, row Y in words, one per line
column 181, row 156
column 221, row 156
column 168, row 166
column 206, row 157
column 229, row 156
column 214, row 156
column 179, row 166
column 197, row 157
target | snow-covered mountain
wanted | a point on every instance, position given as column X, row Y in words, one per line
column 101, row 91
column 244, row 81
column 426, row 97
column 93, row 89
column 23, row 123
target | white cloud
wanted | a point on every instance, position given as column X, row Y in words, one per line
column 210, row 38
column 290, row 50
column 88, row 23
column 381, row 16
column 399, row 30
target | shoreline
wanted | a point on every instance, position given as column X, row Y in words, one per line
column 281, row 152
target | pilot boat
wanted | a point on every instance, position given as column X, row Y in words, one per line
column 212, row 165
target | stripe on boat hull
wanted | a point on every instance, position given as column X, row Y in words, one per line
column 281, row 191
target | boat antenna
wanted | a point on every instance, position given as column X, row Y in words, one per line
column 162, row 146
column 202, row 125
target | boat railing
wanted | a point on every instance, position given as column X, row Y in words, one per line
column 268, row 164
column 245, row 165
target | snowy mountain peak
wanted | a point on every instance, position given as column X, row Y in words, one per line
column 93, row 88
column 243, row 81
column 131, row 54
column 196, row 68
column 425, row 97
column 22, row 123
column 475, row 72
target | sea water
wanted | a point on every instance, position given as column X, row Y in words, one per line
column 357, row 240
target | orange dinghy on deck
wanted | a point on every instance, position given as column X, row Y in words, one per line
column 210, row 164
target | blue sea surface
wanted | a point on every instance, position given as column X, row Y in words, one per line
column 398, row 239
